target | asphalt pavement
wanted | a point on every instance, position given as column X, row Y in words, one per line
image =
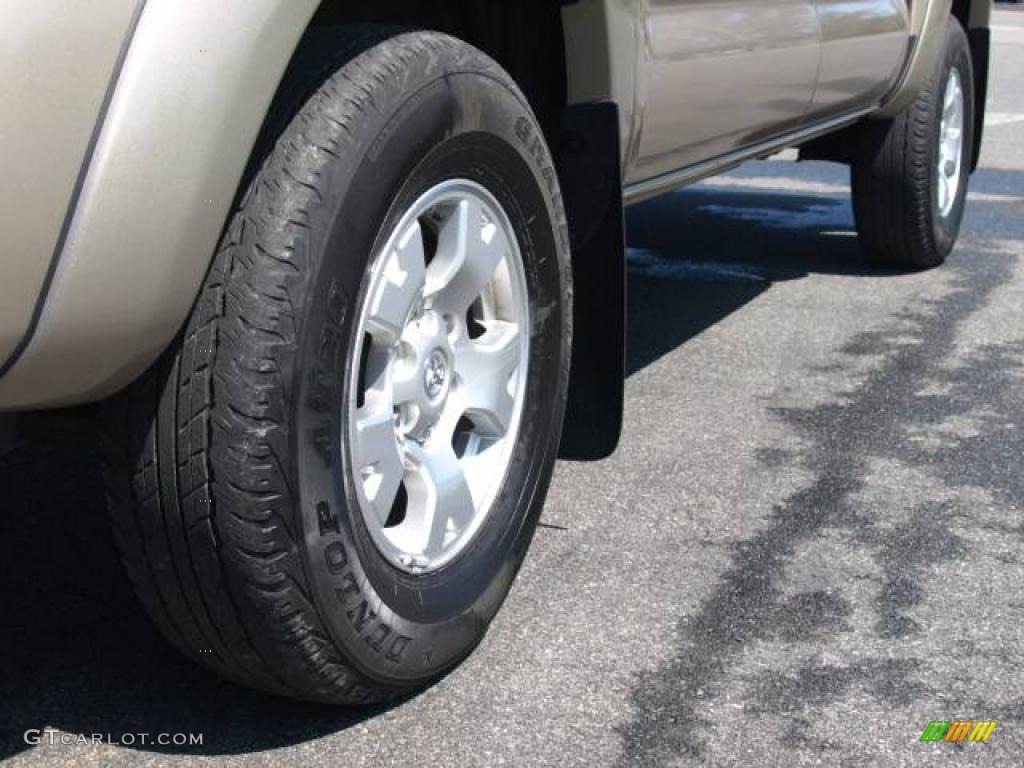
column 809, row 545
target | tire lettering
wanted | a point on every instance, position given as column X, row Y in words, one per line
column 337, row 560
column 397, row 650
column 360, row 616
column 377, row 634
column 320, row 439
column 348, row 588
column 327, row 352
column 337, row 304
column 328, row 524
column 549, row 176
column 376, row 637
column 534, row 145
column 319, row 398
column 524, row 130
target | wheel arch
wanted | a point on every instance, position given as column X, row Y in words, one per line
column 187, row 107
column 585, row 141
column 928, row 29
column 928, row 21
column 191, row 97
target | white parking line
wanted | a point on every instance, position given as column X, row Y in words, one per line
column 800, row 186
column 777, row 183
column 1003, row 33
column 993, row 119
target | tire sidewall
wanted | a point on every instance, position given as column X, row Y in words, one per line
column 956, row 54
column 468, row 124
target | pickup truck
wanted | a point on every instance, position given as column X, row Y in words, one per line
column 346, row 278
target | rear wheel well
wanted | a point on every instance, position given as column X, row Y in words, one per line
column 839, row 146
column 962, row 11
column 524, row 37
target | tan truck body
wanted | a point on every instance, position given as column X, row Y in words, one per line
column 125, row 132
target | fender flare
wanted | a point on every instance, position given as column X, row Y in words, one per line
column 927, row 35
column 191, row 97
column 928, row 20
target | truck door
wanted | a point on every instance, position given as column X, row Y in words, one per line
column 717, row 75
column 863, row 44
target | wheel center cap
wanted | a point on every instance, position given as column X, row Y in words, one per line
column 435, row 374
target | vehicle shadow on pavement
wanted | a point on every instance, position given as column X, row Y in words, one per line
column 78, row 653
column 701, row 254
column 81, row 656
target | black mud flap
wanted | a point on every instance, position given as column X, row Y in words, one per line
column 981, row 43
column 590, row 174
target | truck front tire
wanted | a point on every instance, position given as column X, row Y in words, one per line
column 326, row 488
column 909, row 174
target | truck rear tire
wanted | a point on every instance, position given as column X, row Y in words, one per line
column 326, row 488
column 909, row 174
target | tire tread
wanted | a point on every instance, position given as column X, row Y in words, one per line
column 224, row 581
column 891, row 180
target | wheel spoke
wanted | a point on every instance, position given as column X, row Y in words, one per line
column 406, row 383
column 378, row 459
column 950, row 151
column 441, row 494
column 433, row 410
column 950, row 101
column 484, row 367
column 404, row 277
column 951, row 145
column 469, row 250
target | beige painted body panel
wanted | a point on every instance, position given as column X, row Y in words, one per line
column 700, row 84
column 928, row 32
column 720, row 74
column 697, row 80
column 55, row 62
column 863, row 46
column 177, row 137
column 603, row 43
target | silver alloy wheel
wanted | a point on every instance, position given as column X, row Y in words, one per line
column 951, row 144
column 437, row 388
